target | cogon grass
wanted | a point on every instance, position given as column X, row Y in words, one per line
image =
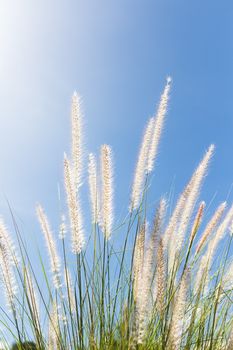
column 166, row 287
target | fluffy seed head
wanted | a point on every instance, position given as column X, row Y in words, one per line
column 51, row 246
column 6, row 268
column 211, row 226
column 197, row 221
column 140, row 171
column 74, row 210
column 149, row 148
column 93, row 189
column 220, row 233
column 207, row 258
column 107, row 190
column 192, row 198
column 158, row 126
column 138, row 261
column 160, row 279
column 174, row 220
column 183, row 212
column 77, row 142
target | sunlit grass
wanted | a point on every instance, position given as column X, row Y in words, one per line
column 168, row 286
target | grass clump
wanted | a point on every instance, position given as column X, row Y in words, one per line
column 167, row 286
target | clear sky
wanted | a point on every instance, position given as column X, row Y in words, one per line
column 116, row 54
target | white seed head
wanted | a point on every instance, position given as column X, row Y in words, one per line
column 160, row 279
column 220, row 233
column 192, row 198
column 74, row 208
column 158, row 126
column 7, row 268
column 211, row 226
column 182, row 214
column 140, row 171
column 207, row 258
column 51, row 246
column 77, row 140
column 174, row 220
column 107, row 192
column 197, row 220
column 138, row 261
column 93, row 188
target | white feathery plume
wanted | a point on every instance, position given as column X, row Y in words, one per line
column 140, row 171
column 190, row 190
column 173, row 222
column 138, row 261
column 93, row 189
column 197, row 221
column 51, row 246
column 207, row 258
column 77, row 143
column 149, row 261
column 107, row 190
column 6, row 237
column 144, row 300
column 149, row 148
column 221, row 231
column 75, row 215
column 70, row 289
column 137, row 270
column 211, row 226
column 160, row 279
column 6, row 265
column 187, row 210
column 194, row 193
column 178, row 313
column 158, row 126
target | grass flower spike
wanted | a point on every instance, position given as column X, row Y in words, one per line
column 77, row 140
column 74, row 210
column 93, row 188
column 51, row 246
column 7, row 268
column 158, row 126
column 211, row 226
column 140, row 170
column 107, row 190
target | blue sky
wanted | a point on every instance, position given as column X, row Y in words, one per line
column 116, row 54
